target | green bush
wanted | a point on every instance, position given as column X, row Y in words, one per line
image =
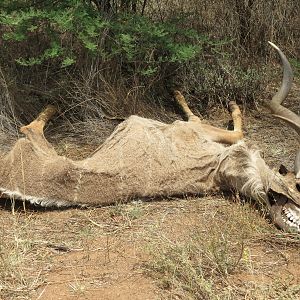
column 75, row 52
column 66, row 28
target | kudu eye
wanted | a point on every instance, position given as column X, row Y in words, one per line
column 282, row 170
column 298, row 187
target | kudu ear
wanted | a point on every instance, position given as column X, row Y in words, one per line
column 283, row 170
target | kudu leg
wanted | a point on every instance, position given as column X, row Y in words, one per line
column 185, row 108
column 38, row 124
column 236, row 116
column 35, row 130
column 228, row 136
column 213, row 133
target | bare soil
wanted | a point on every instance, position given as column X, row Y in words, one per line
column 108, row 253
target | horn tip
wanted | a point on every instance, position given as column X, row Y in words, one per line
column 273, row 45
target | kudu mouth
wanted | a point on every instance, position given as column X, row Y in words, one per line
column 284, row 213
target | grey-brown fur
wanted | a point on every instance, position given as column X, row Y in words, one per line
column 142, row 159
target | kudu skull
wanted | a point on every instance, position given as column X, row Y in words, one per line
column 146, row 159
column 285, row 211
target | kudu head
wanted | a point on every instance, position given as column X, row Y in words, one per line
column 284, row 190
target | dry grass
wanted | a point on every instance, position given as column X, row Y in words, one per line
column 194, row 249
column 226, row 258
column 21, row 262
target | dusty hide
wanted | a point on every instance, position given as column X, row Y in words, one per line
column 142, row 158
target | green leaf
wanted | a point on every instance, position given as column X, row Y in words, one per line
column 68, row 61
column 149, row 71
column 15, row 36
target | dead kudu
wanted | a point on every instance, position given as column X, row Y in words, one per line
column 145, row 158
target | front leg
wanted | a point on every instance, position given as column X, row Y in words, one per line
column 236, row 116
column 185, row 108
column 214, row 133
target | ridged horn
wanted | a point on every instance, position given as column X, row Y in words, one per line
column 282, row 112
column 275, row 106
